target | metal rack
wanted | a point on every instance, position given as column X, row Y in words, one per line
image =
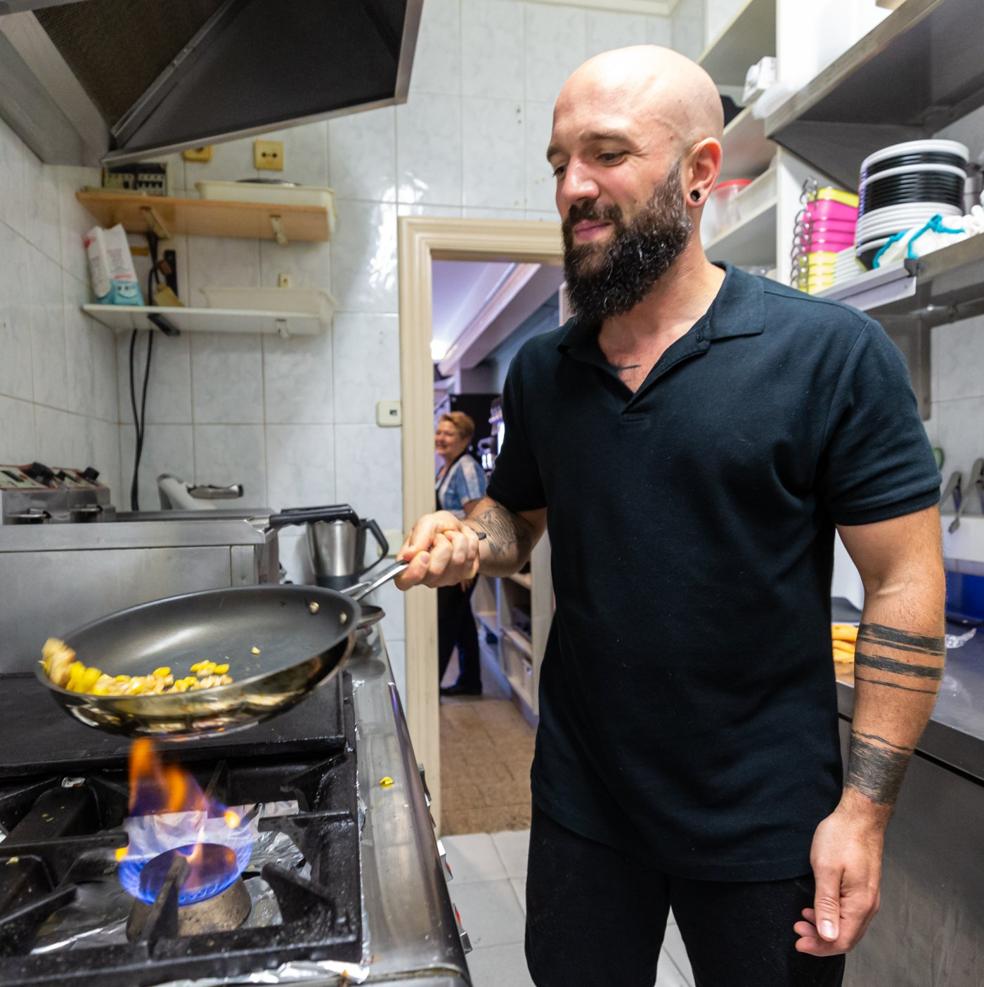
column 945, row 286
column 917, row 71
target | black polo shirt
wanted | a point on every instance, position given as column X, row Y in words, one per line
column 687, row 699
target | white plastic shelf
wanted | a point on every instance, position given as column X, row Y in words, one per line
column 124, row 318
column 747, row 151
column 751, row 241
column 749, row 36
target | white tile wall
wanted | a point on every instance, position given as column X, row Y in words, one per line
column 226, row 378
column 956, row 424
column 58, row 391
column 370, row 342
column 428, row 149
column 437, row 62
column 493, row 126
column 717, row 15
column 561, row 46
column 362, row 155
column 492, row 48
column 688, row 27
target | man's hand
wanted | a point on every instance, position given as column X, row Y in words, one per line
column 846, row 858
column 442, row 550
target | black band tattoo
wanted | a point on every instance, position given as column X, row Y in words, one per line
column 874, row 736
column 893, row 685
column 892, row 637
column 898, row 667
column 506, row 531
column 874, row 771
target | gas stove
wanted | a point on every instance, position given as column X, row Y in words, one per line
column 344, row 880
column 75, row 910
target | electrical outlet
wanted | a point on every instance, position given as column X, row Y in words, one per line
column 268, row 155
column 283, row 280
column 389, row 414
column 201, row 154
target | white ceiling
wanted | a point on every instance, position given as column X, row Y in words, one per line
column 460, row 288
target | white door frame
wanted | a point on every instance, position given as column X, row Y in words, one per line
column 422, row 240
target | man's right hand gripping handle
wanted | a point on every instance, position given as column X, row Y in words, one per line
column 444, row 550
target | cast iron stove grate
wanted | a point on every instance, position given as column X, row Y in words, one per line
column 63, row 831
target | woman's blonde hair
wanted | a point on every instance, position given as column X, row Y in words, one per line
column 464, row 424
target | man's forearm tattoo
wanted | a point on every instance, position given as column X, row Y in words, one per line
column 876, row 765
column 874, row 771
column 508, row 533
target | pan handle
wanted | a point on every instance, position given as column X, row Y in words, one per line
column 304, row 515
column 358, row 590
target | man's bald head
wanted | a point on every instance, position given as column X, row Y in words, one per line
column 656, row 86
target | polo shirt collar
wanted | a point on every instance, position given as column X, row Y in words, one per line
column 738, row 309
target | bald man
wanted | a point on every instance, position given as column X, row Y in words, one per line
column 692, row 438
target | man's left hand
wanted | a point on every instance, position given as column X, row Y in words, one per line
column 846, row 859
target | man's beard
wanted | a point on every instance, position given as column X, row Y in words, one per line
column 611, row 279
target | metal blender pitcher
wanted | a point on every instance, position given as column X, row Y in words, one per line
column 336, row 540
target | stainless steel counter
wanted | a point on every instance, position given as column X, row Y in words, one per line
column 413, row 935
column 955, row 734
column 931, row 925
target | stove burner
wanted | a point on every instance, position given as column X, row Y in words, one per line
column 59, row 908
column 220, row 912
column 211, row 869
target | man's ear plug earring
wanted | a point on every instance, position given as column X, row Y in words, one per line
column 695, row 195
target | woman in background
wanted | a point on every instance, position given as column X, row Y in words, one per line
column 459, row 486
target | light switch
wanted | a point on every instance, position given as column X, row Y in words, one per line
column 389, row 414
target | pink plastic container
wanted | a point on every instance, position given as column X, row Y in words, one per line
column 828, row 209
column 834, row 227
column 816, row 244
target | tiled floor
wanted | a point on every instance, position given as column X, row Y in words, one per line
column 489, row 890
column 486, row 752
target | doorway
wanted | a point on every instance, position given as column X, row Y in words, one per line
column 423, row 240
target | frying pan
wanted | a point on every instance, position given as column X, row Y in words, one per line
column 302, row 634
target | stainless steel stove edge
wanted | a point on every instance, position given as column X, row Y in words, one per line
column 411, row 927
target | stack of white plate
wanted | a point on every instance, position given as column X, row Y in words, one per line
column 846, row 266
column 903, row 186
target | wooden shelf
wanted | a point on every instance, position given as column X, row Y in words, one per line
column 168, row 216
column 907, row 78
column 747, row 151
column 751, row 35
column 124, row 318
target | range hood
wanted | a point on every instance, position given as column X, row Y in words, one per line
column 114, row 81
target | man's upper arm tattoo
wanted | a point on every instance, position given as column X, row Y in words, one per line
column 508, row 533
column 900, row 661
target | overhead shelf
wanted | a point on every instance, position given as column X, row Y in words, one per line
column 944, row 286
column 751, row 242
column 124, row 318
column 747, row 151
column 749, row 36
column 168, row 216
column 917, row 71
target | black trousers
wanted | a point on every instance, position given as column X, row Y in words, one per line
column 456, row 628
column 595, row 916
